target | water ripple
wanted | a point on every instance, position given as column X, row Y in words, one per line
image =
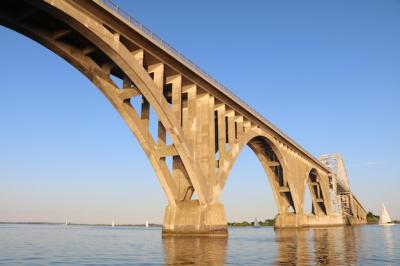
column 90, row 245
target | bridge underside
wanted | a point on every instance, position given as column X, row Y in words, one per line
column 199, row 129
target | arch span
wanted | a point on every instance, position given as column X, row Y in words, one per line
column 275, row 168
column 317, row 195
column 273, row 164
column 90, row 47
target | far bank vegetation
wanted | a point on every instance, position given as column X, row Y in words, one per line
column 267, row 222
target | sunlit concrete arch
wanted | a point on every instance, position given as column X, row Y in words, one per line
column 201, row 126
column 260, row 142
column 116, row 57
column 318, row 198
column 100, row 76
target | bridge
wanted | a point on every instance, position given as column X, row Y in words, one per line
column 201, row 127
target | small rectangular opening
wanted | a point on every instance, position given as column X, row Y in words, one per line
column 226, row 130
column 167, row 92
column 236, row 130
column 184, row 105
column 216, row 131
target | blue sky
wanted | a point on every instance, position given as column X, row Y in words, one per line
column 327, row 73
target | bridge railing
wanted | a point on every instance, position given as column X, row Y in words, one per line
column 147, row 32
column 169, row 47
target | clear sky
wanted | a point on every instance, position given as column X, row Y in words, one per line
column 327, row 73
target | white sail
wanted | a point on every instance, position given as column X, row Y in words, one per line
column 147, row 223
column 113, row 224
column 256, row 224
column 384, row 218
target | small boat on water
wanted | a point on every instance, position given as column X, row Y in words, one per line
column 384, row 219
column 66, row 222
column 147, row 223
column 256, row 223
column 113, row 223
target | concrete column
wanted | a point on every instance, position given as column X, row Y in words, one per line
column 231, row 128
column 211, row 138
column 181, row 179
column 191, row 218
column 202, row 133
column 246, row 126
column 221, row 136
column 139, row 56
column 189, row 114
column 239, row 126
column 176, row 82
column 157, row 73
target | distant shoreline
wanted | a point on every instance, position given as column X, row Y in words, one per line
column 265, row 223
column 82, row 224
column 150, row 225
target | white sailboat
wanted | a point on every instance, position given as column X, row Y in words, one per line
column 384, row 219
column 66, row 222
column 256, row 224
column 147, row 223
column 113, row 223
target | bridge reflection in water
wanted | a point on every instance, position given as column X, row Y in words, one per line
column 83, row 245
column 199, row 250
column 321, row 246
column 326, row 246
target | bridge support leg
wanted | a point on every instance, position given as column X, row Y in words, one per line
column 192, row 219
column 289, row 221
column 294, row 220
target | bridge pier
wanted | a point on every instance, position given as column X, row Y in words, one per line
column 193, row 219
column 295, row 220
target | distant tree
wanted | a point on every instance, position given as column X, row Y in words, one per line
column 372, row 218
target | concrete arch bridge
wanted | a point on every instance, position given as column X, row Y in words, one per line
column 202, row 126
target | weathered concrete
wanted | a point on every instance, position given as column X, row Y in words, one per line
column 192, row 218
column 292, row 220
column 202, row 127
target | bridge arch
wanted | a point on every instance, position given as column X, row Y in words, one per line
column 318, row 199
column 273, row 163
column 100, row 54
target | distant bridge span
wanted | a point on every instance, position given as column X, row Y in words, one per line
column 202, row 126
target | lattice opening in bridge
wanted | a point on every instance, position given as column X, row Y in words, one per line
column 308, row 205
column 316, row 190
column 275, row 169
column 117, row 81
column 184, row 106
column 167, row 92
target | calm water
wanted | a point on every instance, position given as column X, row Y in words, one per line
column 88, row 245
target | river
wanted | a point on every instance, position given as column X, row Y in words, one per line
column 89, row 245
